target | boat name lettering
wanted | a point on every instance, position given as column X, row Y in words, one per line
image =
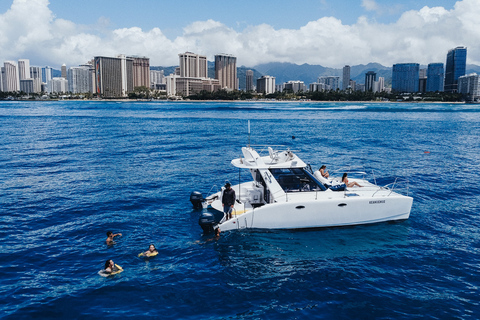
column 267, row 177
column 377, row 201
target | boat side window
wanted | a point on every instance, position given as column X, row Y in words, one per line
column 295, row 180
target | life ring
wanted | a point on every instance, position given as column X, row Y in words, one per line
column 148, row 255
column 117, row 269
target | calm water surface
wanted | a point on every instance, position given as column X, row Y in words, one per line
column 70, row 171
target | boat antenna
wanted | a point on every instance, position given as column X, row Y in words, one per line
column 249, row 133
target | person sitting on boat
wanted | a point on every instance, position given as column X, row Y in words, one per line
column 320, row 177
column 110, row 236
column 349, row 184
column 228, row 200
column 324, row 173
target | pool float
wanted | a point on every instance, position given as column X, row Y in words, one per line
column 117, row 269
column 148, row 255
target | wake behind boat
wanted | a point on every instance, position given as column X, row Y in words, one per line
column 284, row 194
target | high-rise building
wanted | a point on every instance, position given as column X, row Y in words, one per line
column 157, row 77
column 23, row 69
column 405, row 77
column 266, row 85
column 455, row 67
column 469, row 86
column 113, row 76
column 316, row 87
column 11, row 81
column 26, row 86
column 422, row 80
column 64, row 71
column 346, row 77
column 295, row 86
column 79, row 79
column 379, row 85
column 226, row 71
column 249, row 80
column 435, row 74
column 2, row 71
column 59, row 85
column 193, row 65
column 370, row 78
column 36, row 75
column 331, row 82
column 141, row 72
column 47, row 77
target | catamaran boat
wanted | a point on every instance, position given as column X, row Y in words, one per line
column 286, row 194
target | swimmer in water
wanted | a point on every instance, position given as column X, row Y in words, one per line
column 109, row 266
column 110, row 236
column 151, row 250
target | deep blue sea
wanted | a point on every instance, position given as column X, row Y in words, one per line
column 71, row 171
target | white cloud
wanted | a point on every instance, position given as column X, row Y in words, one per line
column 370, row 5
column 30, row 30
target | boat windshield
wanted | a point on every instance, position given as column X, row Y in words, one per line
column 296, row 180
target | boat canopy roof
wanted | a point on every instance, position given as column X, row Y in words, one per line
column 275, row 159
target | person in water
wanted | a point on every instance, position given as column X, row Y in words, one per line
column 324, row 173
column 349, row 184
column 228, row 200
column 110, row 266
column 110, row 236
column 151, row 250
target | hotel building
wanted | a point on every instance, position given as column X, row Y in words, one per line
column 113, row 76
column 405, row 77
column 455, row 67
column 226, row 71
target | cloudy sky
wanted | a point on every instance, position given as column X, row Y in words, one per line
column 330, row 33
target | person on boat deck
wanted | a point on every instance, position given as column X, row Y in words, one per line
column 228, row 200
column 110, row 266
column 151, row 249
column 349, row 184
column 324, row 173
column 110, row 237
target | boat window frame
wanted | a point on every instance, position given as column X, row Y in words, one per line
column 296, row 186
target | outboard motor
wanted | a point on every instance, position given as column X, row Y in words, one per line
column 196, row 198
column 207, row 222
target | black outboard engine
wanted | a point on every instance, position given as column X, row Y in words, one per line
column 196, row 198
column 207, row 222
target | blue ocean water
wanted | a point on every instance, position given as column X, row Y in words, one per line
column 70, row 171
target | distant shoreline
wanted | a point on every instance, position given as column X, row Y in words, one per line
column 232, row 101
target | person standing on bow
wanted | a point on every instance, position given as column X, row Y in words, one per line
column 228, row 200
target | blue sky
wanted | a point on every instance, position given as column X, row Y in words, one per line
column 326, row 32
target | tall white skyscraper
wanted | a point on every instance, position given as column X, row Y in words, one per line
column 266, row 84
column 23, row 69
column 79, row 79
column 11, row 81
column 47, row 77
column 36, row 75
column 59, row 85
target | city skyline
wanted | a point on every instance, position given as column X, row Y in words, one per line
column 316, row 32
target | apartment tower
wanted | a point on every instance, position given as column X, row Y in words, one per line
column 346, row 77
column 113, row 76
column 193, row 65
column 455, row 67
column 141, row 72
column 226, row 71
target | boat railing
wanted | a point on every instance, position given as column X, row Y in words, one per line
column 397, row 186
